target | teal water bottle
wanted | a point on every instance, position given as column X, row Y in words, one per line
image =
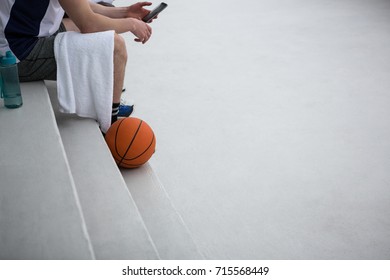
column 10, row 87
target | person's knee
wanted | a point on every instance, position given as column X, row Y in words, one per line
column 120, row 51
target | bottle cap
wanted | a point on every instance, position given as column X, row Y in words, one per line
column 8, row 59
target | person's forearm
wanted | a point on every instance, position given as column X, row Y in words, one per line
column 89, row 21
column 111, row 12
column 103, row 23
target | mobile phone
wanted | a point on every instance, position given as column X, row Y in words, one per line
column 155, row 12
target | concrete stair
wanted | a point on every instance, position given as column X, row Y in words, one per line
column 63, row 197
column 166, row 227
column 40, row 215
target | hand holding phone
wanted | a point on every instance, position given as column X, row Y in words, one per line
column 155, row 12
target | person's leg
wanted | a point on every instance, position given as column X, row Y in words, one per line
column 120, row 60
column 40, row 64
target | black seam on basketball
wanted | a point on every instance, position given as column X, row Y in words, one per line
column 116, row 135
column 151, row 143
column 131, row 142
column 123, row 164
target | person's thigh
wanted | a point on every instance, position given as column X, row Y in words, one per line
column 40, row 64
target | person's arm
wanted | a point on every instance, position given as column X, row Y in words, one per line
column 88, row 21
column 136, row 10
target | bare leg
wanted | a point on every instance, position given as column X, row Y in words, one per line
column 120, row 60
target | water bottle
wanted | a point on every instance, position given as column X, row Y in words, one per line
column 9, row 80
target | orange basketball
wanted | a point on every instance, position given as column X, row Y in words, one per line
column 131, row 141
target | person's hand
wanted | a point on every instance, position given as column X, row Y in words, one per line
column 141, row 30
column 138, row 11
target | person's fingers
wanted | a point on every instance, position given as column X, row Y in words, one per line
column 145, row 4
column 142, row 39
column 151, row 20
column 148, row 31
column 148, row 34
column 143, row 34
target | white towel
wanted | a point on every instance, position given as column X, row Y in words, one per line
column 85, row 74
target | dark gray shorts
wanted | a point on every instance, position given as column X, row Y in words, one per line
column 40, row 64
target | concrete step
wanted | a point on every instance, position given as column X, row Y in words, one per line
column 146, row 224
column 115, row 226
column 40, row 215
column 166, row 227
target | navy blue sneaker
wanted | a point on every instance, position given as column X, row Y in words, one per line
column 126, row 107
column 125, row 110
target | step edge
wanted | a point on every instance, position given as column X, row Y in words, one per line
column 69, row 171
column 155, row 178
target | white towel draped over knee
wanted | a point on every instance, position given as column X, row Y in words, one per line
column 85, row 74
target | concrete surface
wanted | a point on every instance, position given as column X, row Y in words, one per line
column 273, row 124
column 165, row 225
column 116, row 229
column 40, row 215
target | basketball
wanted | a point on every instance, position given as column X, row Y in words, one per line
column 131, row 142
